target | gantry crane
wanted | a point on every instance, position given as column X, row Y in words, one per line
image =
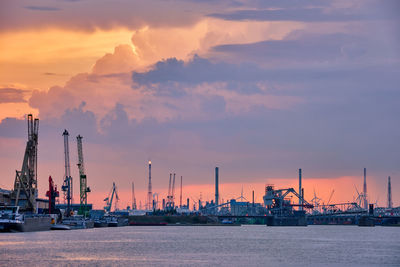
column 84, row 189
column 110, row 198
column 25, row 185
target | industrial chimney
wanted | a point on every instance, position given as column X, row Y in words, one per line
column 300, row 192
column 365, row 189
column 216, row 187
column 390, row 203
column 150, row 193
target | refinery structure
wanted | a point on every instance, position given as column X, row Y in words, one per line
column 21, row 208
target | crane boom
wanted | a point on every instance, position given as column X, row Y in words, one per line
column 329, row 200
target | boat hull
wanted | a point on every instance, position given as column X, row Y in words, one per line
column 30, row 224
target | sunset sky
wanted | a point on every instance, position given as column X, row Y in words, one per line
column 259, row 88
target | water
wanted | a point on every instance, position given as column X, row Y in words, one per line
column 205, row 246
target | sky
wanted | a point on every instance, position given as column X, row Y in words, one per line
column 258, row 88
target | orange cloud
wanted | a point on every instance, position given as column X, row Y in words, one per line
column 30, row 56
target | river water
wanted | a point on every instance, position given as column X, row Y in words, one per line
column 205, row 246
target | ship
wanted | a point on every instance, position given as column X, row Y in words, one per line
column 13, row 221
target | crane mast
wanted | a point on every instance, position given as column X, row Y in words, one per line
column 84, row 189
column 67, row 185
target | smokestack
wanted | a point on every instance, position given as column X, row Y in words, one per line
column 365, row 189
column 173, row 193
column 149, row 193
column 216, row 187
column 390, row 203
column 180, row 197
column 253, row 198
column 300, row 192
column 187, row 203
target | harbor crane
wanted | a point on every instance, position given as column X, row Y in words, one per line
column 84, row 189
column 168, row 204
column 67, row 185
column 25, row 184
column 134, row 207
column 110, row 198
column 52, row 194
column 171, row 192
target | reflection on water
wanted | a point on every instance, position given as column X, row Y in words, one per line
column 204, row 246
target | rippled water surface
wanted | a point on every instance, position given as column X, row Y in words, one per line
column 205, row 246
